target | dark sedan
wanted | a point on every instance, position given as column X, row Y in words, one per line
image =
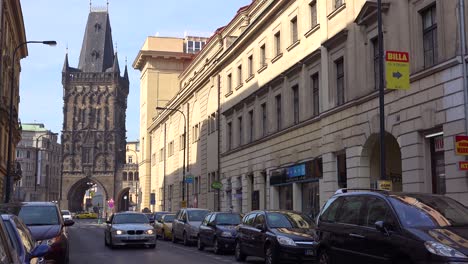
column 278, row 236
column 46, row 225
column 218, row 230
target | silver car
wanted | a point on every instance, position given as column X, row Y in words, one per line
column 186, row 224
column 129, row 228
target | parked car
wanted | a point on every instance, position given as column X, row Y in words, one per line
column 8, row 254
column 46, row 225
column 129, row 228
column 164, row 226
column 386, row 227
column 157, row 216
column 21, row 239
column 277, row 236
column 218, row 230
column 86, row 215
column 186, row 224
column 66, row 215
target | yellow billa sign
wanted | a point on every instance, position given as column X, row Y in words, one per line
column 397, row 70
column 385, row 185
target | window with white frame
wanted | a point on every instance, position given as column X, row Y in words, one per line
column 181, row 142
column 251, row 126
column 313, row 14
column 295, row 91
column 229, row 136
column 294, row 30
column 130, row 159
column 338, row 3
column 195, row 133
column 429, row 17
column 239, row 75
column 262, row 55
column 241, row 131
column 264, row 119
column 229, row 83
column 278, row 112
column 315, row 94
column 161, row 154
column 170, row 148
column 212, row 123
column 340, row 89
column 277, row 43
column 250, row 65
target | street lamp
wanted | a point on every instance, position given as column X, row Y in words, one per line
column 126, row 206
column 136, row 181
column 10, row 120
column 185, row 146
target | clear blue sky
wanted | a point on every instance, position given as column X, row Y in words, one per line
column 131, row 21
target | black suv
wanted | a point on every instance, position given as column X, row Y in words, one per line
column 365, row 226
column 277, row 236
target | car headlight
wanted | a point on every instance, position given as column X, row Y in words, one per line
column 119, row 232
column 150, row 232
column 226, row 234
column 285, row 241
column 443, row 250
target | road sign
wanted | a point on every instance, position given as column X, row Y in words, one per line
column 463, row 165
column 110, row 203
column 397, row 70
column 461, row 145
column 216, row 185
column 385, row 185
column 189, row 179
column 183, row 204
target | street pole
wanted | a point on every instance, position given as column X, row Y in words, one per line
column 185, row 147
column 383, row 175
column 10, row 115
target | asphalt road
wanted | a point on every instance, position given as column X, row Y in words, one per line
column 87, row 247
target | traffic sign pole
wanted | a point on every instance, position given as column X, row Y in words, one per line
column 383, row 175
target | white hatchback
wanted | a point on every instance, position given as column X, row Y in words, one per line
column 66, row 215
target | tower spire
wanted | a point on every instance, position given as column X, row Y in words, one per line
column 90, row 6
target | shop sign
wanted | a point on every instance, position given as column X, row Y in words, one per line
column 438, row 143
column 183, row 204
column 296, row 171
column 384, row 185
column 216, row 185
column 189, row 179
column 463, row 165
column 461, row 145
column 397, row 70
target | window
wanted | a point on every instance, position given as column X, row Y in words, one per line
column 295, row 90
column 124, row 176
column 196, row 133
column 339, row 65
column 278, row 112
column 28, row 154
column 294, row 33
column 241, row 132
column 196, row 186
column 171, row 148
column 239, row 75
column 278, row 43
column 212, row 123
column 249, row 219
column 341, row 170
column 375, row 54
column 313, row 14
column 161, row 154
column 262, row 56
column 315, row 94
column 251, row 126
column 181, row 142
column 130, row 159
column 437, row 164
column 377, row 210
column 229, row 135
column 330, row 209
column 264, row 119
column 338, row 3
column 429, row 18
column 229, row 83
column 350, row 211
column 250, row 65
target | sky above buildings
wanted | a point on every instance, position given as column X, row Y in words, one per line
column 132, row 21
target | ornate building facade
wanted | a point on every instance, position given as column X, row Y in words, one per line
column 12, row 34
column 95, row 103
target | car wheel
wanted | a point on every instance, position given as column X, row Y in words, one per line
column 185, row 239
column 216, row 248
column 323, row 257
column 200, row 245
column 174, row 239
column 240, row 256
column 270, row 256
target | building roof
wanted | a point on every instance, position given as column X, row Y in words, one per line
column 97, row 51
column 34, row 127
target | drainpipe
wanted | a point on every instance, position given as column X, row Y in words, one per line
column 164, row 167
column 461, row 20
column 218, row 125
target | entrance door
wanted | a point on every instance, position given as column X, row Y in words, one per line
column 310, row 198
column 286, row 197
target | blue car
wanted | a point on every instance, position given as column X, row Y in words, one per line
column 22, row 241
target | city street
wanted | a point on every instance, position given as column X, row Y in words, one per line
column 87, row 247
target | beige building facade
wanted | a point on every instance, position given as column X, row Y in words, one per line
column 282, row 107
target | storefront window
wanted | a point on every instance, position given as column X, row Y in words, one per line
column 310, row 199
column 285, row 197
column 438, row 164
column 341, row 169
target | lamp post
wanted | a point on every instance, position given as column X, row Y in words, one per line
column 185, row 146
column 10, row 117
column 380, row 40
column 136, row 181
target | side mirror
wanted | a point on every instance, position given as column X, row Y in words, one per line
column 151, row 221
column 383, row 227
column 40, row 251
column 260, row 226
column 68, row 222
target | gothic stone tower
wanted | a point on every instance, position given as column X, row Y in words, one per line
column 95, row 101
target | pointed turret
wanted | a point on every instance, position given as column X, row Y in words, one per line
column 115, row 67
column 65, row 64
column 126, row 73
column 97, row 51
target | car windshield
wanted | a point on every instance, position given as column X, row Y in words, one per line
column 288, row 220
column 39, row 215
column 422, row 210
column 130, row 219
column 197, row 215
column 228, row 219
column 169, row 218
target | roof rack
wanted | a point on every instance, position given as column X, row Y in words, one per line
column 345, row 190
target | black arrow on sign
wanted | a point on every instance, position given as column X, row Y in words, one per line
column 397, row 75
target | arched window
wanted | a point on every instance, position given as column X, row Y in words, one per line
column 124, row 174
column 136, row 176
column 130, row 176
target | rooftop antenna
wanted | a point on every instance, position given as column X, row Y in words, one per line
column 66, row 49
column 116, row 47
column 89, row 5
column 107, row 6
column 125, row 60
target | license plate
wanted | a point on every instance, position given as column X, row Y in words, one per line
column 309, row 252
column 133, row 238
